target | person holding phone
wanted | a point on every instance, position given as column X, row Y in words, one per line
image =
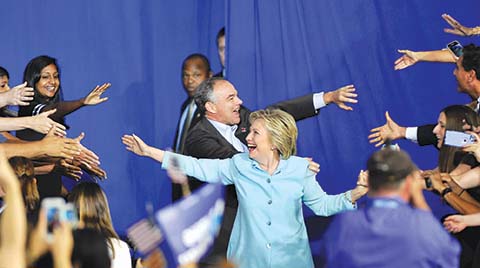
column 468, row 81
column 271, row 185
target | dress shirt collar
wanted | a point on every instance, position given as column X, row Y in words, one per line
column 223, row 128
column 228, row 132
column 386, row 202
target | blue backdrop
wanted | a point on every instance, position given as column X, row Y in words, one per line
column 275, row 50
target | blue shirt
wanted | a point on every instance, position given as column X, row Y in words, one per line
column 269, row 229
column 388, row 233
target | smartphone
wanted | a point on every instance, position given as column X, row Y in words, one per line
column 70, row 215
column 53, row 207
column 458, row 139
column 455, row 48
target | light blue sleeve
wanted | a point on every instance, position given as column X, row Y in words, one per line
column 320, row 202
column 207, row 170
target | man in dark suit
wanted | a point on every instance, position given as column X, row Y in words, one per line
column 222, row 130
column 467, row 74
column 221, row 51
column 195, row 69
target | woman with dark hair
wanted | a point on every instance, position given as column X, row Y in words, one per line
column 93, row 212
column 452, row 163
column 43, row 75
column 454, row 118
column 4, row 77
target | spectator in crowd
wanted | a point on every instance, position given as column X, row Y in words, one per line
column 93, row 210
column 42, row 73
column 389, row 232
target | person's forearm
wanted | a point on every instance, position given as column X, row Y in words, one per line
column 3, row 99
column 358, row 192
column 63, row 108
column 155, row 153
column 16, row 123
column 13, row 226
column 26, row 149
column 472, row 219
column 462, row 206
column 468, row 179
column 435, row 56
column 45, row 169
column 461, row 193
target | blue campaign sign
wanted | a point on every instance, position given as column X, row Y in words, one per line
column 190, row 225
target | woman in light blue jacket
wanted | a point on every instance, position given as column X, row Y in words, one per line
column 271, row 184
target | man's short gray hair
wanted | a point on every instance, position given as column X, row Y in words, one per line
column 204, row 93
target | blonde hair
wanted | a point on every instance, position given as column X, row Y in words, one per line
column 282, row 129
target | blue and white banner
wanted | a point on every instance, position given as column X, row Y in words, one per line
column 191, row 225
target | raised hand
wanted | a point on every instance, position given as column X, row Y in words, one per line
column 42, row 123
column 19, row 95
column 390, row 131
column 406, row 60
column 94, row 97
column 341, row 96
column 37, row 244
column 362, row 180
column 136, row 145
column 475, row 147
column 457, row 28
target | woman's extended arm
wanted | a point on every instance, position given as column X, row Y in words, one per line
column 40, row 123
column 64, row 108
column 208, row 170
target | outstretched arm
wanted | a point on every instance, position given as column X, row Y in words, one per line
column 390, row 131
column 456, row 223
column 136, row 145
column 458, row 28
column 341, row 97
column 410, row 58
column 19, row 95
column 64, row 108
column 207, row 170
column 308, row 106
column 40, row 123
column 49, row 146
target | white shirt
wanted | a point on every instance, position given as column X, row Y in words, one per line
column 122, row 254
column 228, row 132
column 411, row 132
